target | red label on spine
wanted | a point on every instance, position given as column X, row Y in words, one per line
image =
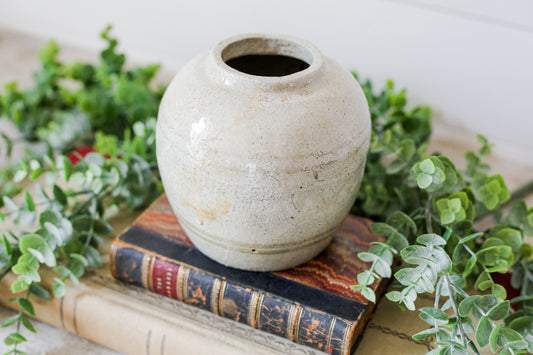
column 164, row 277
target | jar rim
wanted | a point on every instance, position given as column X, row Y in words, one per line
column 266, row 44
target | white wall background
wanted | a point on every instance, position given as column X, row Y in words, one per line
column 471, row 60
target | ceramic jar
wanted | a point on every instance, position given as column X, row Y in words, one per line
column 261, row 145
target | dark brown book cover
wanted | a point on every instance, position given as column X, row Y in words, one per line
column 311, row 304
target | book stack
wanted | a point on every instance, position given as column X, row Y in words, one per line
column 170, row 298
column 312, row 304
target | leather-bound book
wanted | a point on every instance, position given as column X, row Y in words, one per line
column 311, row 304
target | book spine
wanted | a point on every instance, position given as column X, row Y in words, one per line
column 261, row 310
column 135, row 321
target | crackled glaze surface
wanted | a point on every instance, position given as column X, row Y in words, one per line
column 259, row 170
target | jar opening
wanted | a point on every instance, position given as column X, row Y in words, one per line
column 267, row 56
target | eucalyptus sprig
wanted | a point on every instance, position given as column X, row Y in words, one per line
column 61, row 218
column 426, row 209
column 71, row 217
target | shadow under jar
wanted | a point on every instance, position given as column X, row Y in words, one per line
column 261, row 145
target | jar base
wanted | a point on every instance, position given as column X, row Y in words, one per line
column 258, row 258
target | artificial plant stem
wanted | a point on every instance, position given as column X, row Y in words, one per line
column 455, row 309
column 5, row 272
column 429, row 223
column 522, row 191
column 19, row 320
column 102, row 193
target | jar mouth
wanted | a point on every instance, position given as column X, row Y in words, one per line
column 267, row 56
column 268, row 59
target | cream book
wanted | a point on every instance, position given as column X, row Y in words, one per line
column 132, row 320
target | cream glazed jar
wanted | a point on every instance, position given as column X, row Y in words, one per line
column 261, row 145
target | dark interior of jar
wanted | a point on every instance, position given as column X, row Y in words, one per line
column 267, row 56
column 267, row 64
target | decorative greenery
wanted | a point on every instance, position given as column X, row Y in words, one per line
column 74, row 194
column 107, row 98
column 422, row 204
column 426, row 209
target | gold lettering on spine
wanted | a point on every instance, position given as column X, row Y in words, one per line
column 251, row 311
column 256, row 302
column 345, row 337
column 258, row 311
column 146, row 271
column 297, row 324
column 330, row 333
column 168, row 282
column 181, row 283
column 214, row 296
column 294, row 314
column 220, row 300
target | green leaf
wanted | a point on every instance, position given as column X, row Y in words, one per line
column 55, row 232
column 59, row 288
column 425, row 334
column 34, row 164
column 80, row 258
column 365, row 278
column 424, row 180
column 402, row 223
column 431, row 240
column 14, row 338
column 498, row 291
column 394, row 296
column 102, row 227
column 447, row 217
column 64, row 164
column 381, row 265
column 521, row 323
column 470, row 237
column 483, row 331
column 435, row 315
column 31, row 241
column 30, row 204
column 516, row 345
column 356, row 287
column 43, row 253
column 60, row 196
column 510, row 335
column 26, row 305
column 35, row 174
column 486, row 302
column 27, row 324
column 427, row 166
column 510, row 237
column 37, row 254
column 492, row 191
column 7, row 244
column 499, row 311
column 368, row 294
column 470, row 266
column 517, row 213
column 394, row 238
column 465, row 307
column 19, row 286
column 500, row 256
column 10, row 204
column 19, row 176
column 40, row 291
column 48, row 216
column 10, row 321
column 493, row 339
